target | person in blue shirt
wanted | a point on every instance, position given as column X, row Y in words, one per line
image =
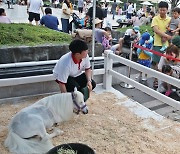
column 49, row 20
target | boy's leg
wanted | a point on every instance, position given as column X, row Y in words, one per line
column 71, row 84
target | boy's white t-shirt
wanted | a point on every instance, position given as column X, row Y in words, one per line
column 66, row 67
column 35, row 6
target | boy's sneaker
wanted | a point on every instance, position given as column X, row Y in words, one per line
column 163, row 48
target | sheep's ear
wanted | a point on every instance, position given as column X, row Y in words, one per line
column 75, row 89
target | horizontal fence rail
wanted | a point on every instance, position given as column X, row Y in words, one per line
column 151, row 72
column 109, row 72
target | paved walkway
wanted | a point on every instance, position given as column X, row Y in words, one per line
column 19, row 14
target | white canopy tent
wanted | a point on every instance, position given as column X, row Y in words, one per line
column 105, row 1
column 111, row 1
column 118, row 1
column 146, row 3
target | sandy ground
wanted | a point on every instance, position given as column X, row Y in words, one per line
column 109, row 128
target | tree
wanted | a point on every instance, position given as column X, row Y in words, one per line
column 174, row 3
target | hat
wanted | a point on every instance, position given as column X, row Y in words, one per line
column 97, row 21
column 144, row 37
column 176, row 41
column 136, row 29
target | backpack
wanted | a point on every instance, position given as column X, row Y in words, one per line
column 83, row 34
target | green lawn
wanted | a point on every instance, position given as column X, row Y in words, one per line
column 143, row 29
column 25, row 34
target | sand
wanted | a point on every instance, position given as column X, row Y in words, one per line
column 108, row 128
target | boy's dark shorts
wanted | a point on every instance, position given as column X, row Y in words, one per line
column 33, row 16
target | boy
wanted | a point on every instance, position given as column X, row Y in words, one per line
column 173, row 27
column 73, row 70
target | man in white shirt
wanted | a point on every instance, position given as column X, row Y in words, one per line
column 74, row 70
column 33, row 9
column 131, row 35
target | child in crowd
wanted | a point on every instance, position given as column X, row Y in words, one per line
column 173, row 27
column 164, row 87
column 106, row 42
column 172, row 51
column 144, row 57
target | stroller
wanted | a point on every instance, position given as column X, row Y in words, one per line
column 81, row 23
column 80, row 29
column 78, row 23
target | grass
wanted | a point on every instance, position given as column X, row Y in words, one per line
column 143, row 29
column 29, row 35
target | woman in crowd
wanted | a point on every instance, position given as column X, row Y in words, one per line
column 66, row 13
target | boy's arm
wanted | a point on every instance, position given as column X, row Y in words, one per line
column 162, row 34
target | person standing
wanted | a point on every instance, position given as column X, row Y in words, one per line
column 99, row 12
column 49, row 20
column 73, row 69
column 3, row 17
column 33, row 9
column 113, row 9
column 80, row 7
column 8, row 3
column 159, row 24
column 129, row 10
column 66, row 13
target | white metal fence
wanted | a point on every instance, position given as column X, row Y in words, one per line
column 109, row 72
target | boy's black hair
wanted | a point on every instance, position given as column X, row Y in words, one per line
column 1, row 11
column 77, row 46
column 48, row 10
column 166, row 69
column 163, row 4
column 176, row 9
column 107, row 29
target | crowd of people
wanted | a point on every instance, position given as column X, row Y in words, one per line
column 166, row 39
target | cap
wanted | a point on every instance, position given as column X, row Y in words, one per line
column 136, row 29
column 97, row 21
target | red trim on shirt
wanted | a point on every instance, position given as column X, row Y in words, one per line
column 59, row 82
column 75, row 61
